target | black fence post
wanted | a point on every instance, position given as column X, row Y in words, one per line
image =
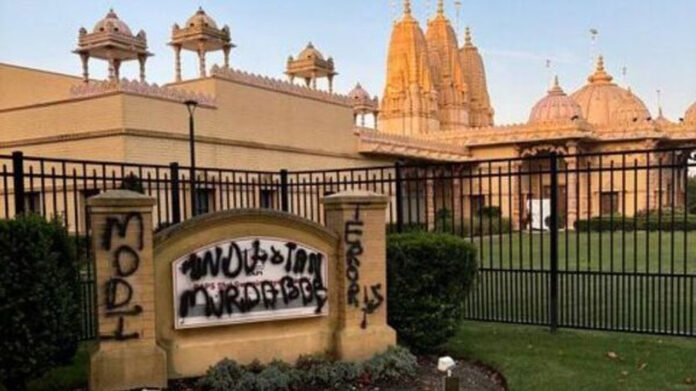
column 399, row 198
column 176, row 206
column 284, row 205
column 553, row 227
column 18, row 177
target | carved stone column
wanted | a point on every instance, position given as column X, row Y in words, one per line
column 201, row 59
column 330, row 83
column 127, row 355
column 571, row 191
column 359, row 218
column 85, row 66
column 117, row 69
column 177, row 62
column 226, row 53
column 141, row 62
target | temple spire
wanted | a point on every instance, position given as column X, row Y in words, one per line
column 467, row 37
column 440, row 7
column 407, row 7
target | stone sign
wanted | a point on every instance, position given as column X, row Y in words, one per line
column 251, row 279
column 246, row 284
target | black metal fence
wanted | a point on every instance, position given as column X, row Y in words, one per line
column 597, row 241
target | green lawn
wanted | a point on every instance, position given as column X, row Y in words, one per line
column 531, row 358
column 631, row 250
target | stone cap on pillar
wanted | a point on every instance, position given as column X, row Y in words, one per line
column 365, row 198
column 119, row 198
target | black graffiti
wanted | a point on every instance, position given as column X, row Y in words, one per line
column 235, row 261
column 249, row 296
column 353, row 238
column 118, row 292
column 119, row 334
column 122, row 227
column 371, row 305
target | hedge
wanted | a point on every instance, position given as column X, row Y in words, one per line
column 39, row 298
column 649, row 222
column 429, row 277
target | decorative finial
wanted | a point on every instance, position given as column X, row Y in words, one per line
column 440, row 7
column 407, row 7
column 600, row 63
column 457, row 7
column 556, row 88
column 659, row 102
column 467, row 36
column 200, row 10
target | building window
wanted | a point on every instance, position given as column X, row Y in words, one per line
column 609, row 202
column 32, row 202
column 266, row 198
column 477, row 202
column 205, row 199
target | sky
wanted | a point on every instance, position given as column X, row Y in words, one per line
column 655, row 41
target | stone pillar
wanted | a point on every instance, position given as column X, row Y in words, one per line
column 112, row 69
column 141, row 61
column 359, row 217
column 117, row 69
column 127, row 355
column 85, row 66
column 430, row 212
column 201, row 59
column 330, row 83
column 226, row 53
column 177, row 62
column 573, row 205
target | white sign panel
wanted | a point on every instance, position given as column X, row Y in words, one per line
column 249, row 280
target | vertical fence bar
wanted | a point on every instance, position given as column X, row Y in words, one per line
column 399, row 198
column 284, row 205
column 176, row 205
column 18, row 176
column 553, row 227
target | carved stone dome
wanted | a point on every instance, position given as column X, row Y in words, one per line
column 200, row 18
column 555, row 107
column 358, row 93
column 310, row 53
column 690, row 116
column 601, row 99
column 112, row 24
column 631, row 110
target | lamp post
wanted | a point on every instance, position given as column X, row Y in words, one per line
column 191, row 107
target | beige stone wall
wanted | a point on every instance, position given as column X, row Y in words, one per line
column 20, row 86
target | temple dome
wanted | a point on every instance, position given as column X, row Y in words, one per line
column 690, row 116
column 310, row 53
column 358, row 93
column 601, row 100
column 555, row 107
column 200, row 18
column 112, row 24
column 631, row 110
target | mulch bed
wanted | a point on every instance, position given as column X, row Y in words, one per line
column 472, row 377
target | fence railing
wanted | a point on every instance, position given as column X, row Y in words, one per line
column 599, row 241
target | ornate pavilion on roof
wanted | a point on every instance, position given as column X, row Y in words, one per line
column 435, row 107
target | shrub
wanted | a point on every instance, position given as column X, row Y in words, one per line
column 314, row 371
column 396, row 363
column 39, row 298
column 651, row 221
column 428, row 278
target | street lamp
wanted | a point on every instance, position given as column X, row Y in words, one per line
column 191, row 107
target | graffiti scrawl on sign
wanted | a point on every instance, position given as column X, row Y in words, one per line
column 249, row 280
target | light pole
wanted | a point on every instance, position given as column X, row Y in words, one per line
column 191, row 107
